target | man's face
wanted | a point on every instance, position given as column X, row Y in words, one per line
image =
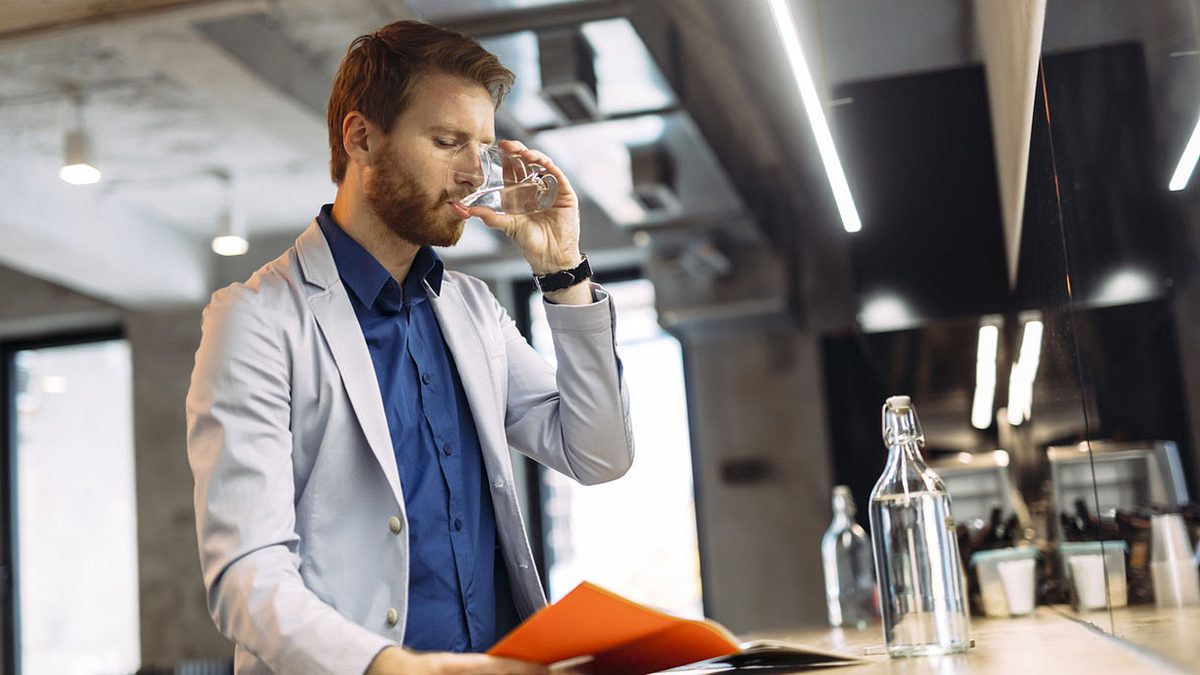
column 407, row 183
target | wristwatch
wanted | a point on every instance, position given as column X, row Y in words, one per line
column 556, row 281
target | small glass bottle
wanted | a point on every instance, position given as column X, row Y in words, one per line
column 922, row 590
column 849, row 570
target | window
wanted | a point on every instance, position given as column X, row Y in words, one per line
column 637, row 535
column 75, row 526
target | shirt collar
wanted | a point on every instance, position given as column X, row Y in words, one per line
column 365, row 276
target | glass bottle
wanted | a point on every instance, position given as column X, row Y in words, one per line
column 849, row 570
column 921, row 583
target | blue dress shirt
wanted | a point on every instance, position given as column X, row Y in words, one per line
column 454, row 565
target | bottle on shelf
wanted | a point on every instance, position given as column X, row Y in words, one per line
column 922, row 588
column 849, row 569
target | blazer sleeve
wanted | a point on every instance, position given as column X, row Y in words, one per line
column 576, row 419
column 240, row 452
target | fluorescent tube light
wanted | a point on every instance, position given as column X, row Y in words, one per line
column 1024, row 371
column 1016, row 395
column 985, row 376
column 816, row 114
column 1187, row 161
column 1031, row 346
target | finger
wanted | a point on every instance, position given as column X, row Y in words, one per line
column 538, row 157
column 482, row 663
column 512, row 146
column 529, row 154
column 566, row 193
column 512, row 667
column 542, row 159
column 496, row 221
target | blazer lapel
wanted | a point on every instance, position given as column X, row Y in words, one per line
column 473, row 368
column 337, row 321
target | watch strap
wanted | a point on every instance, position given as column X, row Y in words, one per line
column 556, row 281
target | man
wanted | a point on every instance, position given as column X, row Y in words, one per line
column 353, row 403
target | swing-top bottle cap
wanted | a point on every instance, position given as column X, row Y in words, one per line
column 843, row 501
column 900, row 422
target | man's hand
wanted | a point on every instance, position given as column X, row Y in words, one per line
column 396, row 661
column 548, row 239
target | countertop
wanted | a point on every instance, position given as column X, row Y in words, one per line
column 1052, row 640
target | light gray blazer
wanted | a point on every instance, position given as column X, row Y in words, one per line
column 299, row 508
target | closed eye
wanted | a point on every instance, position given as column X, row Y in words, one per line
column 445, row 143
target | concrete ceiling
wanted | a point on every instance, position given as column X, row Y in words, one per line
column 173, row 90
column 32, row 15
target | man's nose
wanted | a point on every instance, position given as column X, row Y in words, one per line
column 468, row 168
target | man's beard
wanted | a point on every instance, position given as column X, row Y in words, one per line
column 396, row 198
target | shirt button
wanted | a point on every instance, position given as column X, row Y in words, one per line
column 498, row 484
column 523, row 566
column 457, row 525
column 395, row 525
column 425, row 378
column 392, row 617
column 447, row 449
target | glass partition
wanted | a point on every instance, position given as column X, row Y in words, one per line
column 1054, row 357
column 990, row 295
column 1122, row 98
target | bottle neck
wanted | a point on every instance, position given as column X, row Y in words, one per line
column 906, row 451
column 843, row 507
column 843, row 517
column 906, row 470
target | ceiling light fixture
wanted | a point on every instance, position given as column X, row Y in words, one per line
column 77, row 166
column 886, row 312
column 1024, row 371
column 816, row 114
column 231, row 224
column 985, row 374
column 1187, row 161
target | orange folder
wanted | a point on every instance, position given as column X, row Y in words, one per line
column 619, row 635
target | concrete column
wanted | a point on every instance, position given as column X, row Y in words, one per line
column 764, row 477
column 175, row 622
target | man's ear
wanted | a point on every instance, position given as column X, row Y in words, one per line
column 358, row 137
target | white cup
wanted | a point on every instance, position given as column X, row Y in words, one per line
column 1169, row 537
column 1019, row 586
column 1087, row 573
column 1176, row 583
column 1172, row 568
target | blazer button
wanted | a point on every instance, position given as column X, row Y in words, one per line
column 392, row 617
column 395, row 525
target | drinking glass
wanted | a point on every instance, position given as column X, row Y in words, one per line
column 501, row 181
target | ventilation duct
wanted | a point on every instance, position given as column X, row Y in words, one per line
column 568, row 69
column 652, row 169
column 716, row 284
